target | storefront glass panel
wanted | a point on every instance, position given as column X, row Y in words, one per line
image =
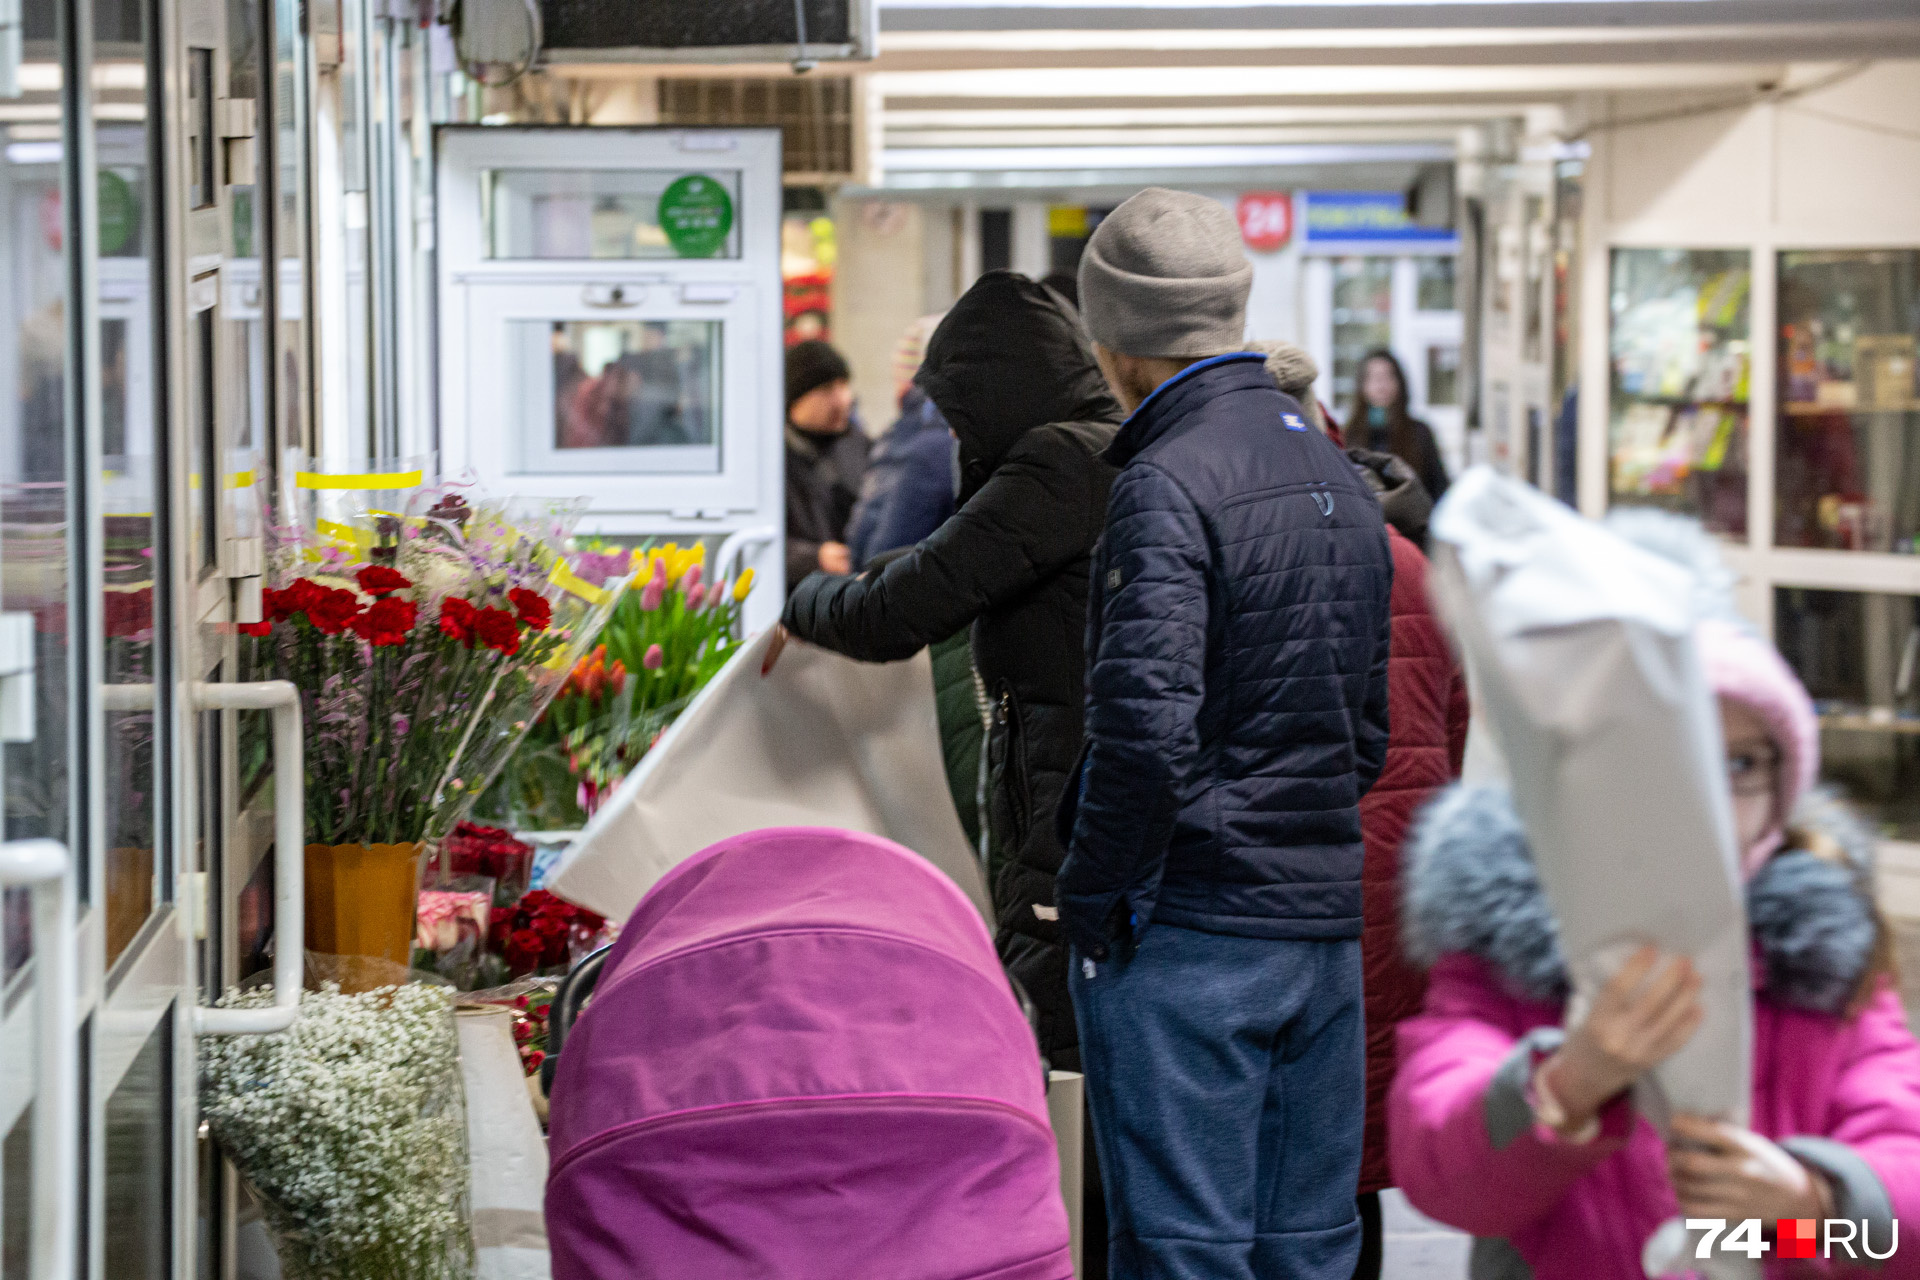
column 1848, row 476
column 1681, row 359
column 647, row 390
column 600, row 213
column 1859, row 654
column 1362, row 320
column 129, row 474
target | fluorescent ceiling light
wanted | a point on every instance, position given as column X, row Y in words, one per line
column 1067, row 116
column 33, row 153
column 1180, row 157
column 1320, row 81
column 1188, row 38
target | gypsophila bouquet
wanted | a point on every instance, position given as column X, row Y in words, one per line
column 351, row 1125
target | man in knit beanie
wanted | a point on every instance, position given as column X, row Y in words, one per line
column 1237, row 630
column 826, row 459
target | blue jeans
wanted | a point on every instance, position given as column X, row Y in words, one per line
column 1226, row 1077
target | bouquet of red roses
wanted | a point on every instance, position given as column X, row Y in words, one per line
column 543, row 932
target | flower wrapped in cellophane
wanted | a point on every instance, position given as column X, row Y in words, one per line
column 669, row 635
column 425, row 641
column 351, row 1126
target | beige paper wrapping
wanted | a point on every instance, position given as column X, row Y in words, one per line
column 823, row 741
column 1581, row 645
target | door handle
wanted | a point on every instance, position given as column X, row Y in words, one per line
column 613, row 296
column 282, row 698
column 42, row 866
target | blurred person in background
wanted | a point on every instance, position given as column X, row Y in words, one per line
column 1379, row 422
column 1236, row 713
column 1511, row 1120
column 909, row 487
column 826, row 458
column 1426, row 743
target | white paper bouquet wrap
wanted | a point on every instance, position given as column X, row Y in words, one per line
column 508, row 1151
column 1581, row 645
column 823, row 741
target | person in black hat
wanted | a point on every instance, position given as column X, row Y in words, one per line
column 825, row 460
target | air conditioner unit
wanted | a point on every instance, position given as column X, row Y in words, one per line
column 822, row 119
column 651, row 31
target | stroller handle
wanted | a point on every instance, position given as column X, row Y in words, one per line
column 567, row 1001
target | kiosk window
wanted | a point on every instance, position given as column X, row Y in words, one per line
column 611, row 213
column 627, row 385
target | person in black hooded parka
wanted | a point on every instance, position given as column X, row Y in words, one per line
column 1017, row 383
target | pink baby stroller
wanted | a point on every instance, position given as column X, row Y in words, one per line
column 803, row 1060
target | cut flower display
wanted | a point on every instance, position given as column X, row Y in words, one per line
column 351, row 1126
column 668, row 636
column 424, row 647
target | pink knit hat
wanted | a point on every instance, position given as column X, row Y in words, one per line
column 1744, row 668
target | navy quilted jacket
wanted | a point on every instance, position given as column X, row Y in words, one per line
column 1237, row 674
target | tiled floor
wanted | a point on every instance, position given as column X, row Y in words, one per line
column 1418, row 1248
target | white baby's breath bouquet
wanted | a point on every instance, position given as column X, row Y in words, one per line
column 351, row 1125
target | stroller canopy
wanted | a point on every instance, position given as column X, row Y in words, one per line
column 803, row 1060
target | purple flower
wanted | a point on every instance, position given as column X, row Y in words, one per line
column 400, row 726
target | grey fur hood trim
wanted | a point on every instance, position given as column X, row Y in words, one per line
column 1471, row 886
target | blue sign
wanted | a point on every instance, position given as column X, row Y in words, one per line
column 1372, row 217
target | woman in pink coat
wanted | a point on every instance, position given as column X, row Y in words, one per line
column 1505, row 1125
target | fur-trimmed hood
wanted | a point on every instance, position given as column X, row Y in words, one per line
column 1471, row 887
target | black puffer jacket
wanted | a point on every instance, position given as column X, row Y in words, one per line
column 1016, row 381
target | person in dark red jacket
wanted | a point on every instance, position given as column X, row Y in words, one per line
column 1426, row 741
column 1427, row 697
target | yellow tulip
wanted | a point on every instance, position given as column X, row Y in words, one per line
column 744, row 585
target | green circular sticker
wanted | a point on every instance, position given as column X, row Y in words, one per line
column 118, row 212
column 696, row 213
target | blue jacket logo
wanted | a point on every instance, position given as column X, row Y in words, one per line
column 1293, row 422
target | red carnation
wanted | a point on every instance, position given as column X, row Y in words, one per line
column 534, row 1058
column 532, row 608
column 549, row 926
column 385, row 622
column 296, row 597
column 255, row 628
column 333, row 612
column 456, row 620
column 537, row 899
column 497, row 629
column 380, row 580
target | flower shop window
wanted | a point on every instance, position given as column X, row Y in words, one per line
column 1848, row 474
column 636, row 395
column 1859, row 654
column 1679, row 349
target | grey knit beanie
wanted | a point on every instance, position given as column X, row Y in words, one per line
column 1296, row 373
column 1164, row 276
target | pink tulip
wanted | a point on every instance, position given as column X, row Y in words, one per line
column 652, row 594
column 718, row 595
column 660, row 572
column 654, row 657
column 692, row 580
column 695, row 594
